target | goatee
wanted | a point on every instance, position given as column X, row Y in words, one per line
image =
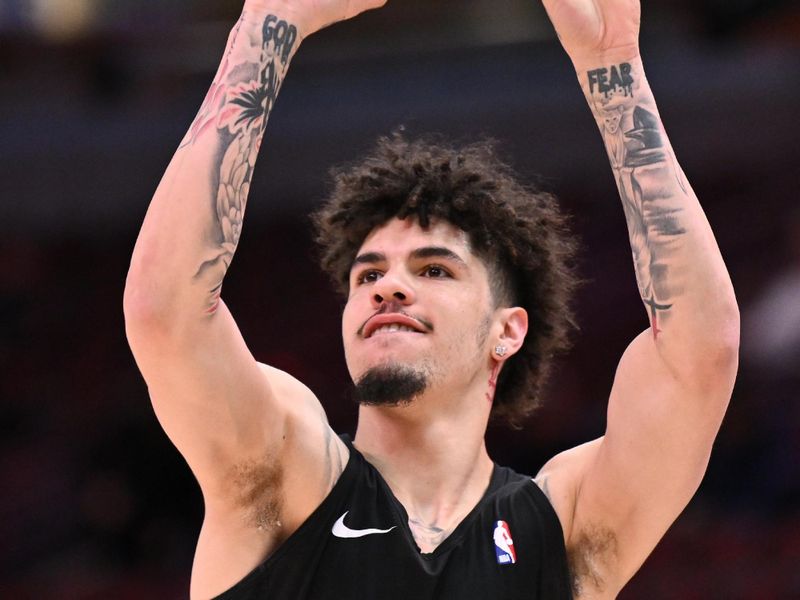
column 389, row 385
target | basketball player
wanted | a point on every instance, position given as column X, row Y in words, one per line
column 457, row 283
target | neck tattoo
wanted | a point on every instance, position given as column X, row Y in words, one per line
column 492, row 383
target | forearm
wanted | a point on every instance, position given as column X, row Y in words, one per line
column 682, row 278
column 194, row 221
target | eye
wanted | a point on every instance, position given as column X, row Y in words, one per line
column 435, row 272
column 368, row 276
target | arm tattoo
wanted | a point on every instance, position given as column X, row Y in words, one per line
column 541, row 481
column 235, row 111
column 651, row 184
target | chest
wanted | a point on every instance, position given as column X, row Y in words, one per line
column 487, row 559
column 370, row 550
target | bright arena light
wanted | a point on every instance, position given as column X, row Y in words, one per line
column 62, row 19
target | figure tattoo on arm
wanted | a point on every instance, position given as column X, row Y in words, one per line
column 235, row 112
column 651, row 185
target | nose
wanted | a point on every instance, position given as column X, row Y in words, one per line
column 392, row 287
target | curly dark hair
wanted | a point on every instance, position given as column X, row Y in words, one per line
column 518, row 231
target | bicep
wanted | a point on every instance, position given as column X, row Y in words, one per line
column 219, row 407
column 654, row 454
column 256, row 439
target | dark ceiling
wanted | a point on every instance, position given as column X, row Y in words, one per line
column 96, row 97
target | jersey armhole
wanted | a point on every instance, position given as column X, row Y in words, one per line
column 339, row 491
column 543, row 502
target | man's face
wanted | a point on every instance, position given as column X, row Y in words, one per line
column 419, row 311
column 611, row 118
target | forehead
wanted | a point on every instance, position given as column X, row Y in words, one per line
column 404, row 235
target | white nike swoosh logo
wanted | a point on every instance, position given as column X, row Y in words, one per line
column 341, row 530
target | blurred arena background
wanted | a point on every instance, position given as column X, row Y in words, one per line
column 96, row 95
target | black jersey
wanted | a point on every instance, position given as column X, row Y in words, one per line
column 357, row 545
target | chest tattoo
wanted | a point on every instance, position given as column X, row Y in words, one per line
column 427, row 535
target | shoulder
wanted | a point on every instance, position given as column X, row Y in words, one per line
column 270, row 493
column 560, row 479
column 296, row 395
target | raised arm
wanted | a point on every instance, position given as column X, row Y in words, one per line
column 618, row 495
column 256, row 439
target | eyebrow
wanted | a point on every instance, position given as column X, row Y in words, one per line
column 424, row 252
column 438, row 252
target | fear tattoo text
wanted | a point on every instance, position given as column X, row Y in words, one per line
column 651, row 184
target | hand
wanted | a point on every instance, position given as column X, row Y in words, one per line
column 312, row 15
column 592, row 28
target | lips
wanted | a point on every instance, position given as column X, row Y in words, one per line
column 392, row 322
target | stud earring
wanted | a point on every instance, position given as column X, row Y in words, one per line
column 500, row 350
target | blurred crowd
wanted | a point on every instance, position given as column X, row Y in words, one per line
column 98, row 504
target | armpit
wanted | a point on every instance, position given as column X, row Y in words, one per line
column 256, row 489
column 592, row 557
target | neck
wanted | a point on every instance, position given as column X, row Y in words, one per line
column 434, row 460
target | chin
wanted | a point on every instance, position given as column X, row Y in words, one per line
column 390, row 384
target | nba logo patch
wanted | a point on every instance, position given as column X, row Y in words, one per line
column 503, row 544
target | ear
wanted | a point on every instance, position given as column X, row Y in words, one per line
column 514, row 326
